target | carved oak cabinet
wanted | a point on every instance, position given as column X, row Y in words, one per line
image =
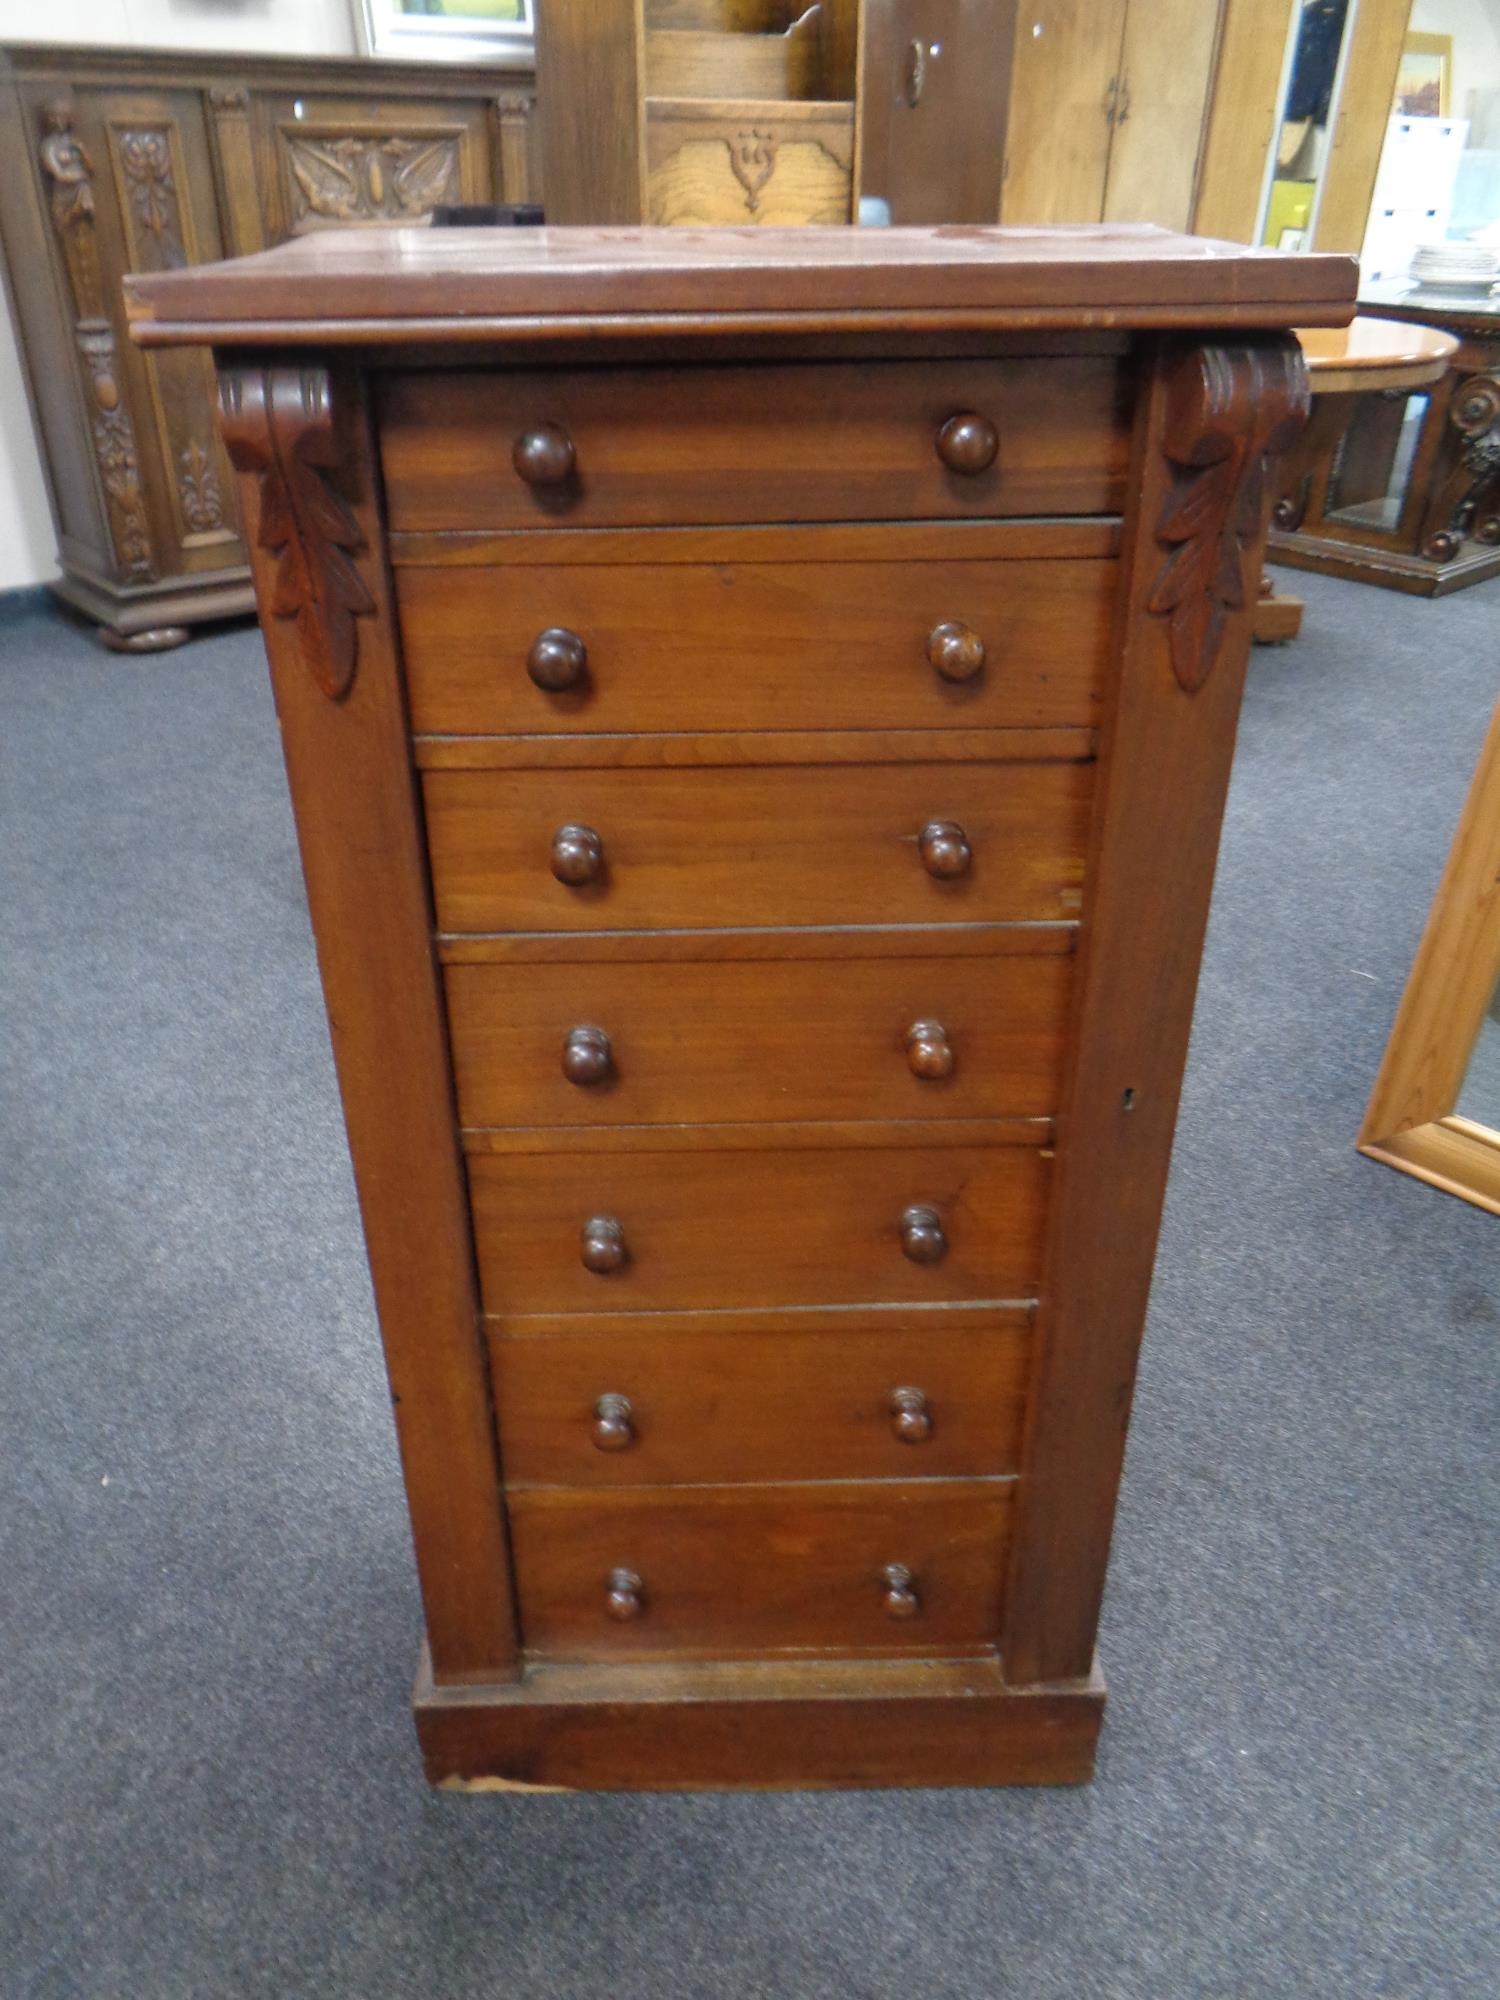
column 758, row 706
column 115, row 160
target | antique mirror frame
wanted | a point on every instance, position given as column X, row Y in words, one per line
column 1413, row 1121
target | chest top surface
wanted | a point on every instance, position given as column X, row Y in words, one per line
column 374, row 287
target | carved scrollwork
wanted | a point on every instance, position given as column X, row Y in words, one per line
column 752, row 161
column 1227, row 410
column 1470, row 495
column 360, row 179
column 146, row 169
column 278, row 424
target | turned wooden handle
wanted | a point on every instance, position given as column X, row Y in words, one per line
column 625, row 1596
column 577, row 855
column 929, row 1053
column 544, row 455
column 967, row 443
column 922, row 1238
column 613, row 1429
column 587, row 1057
column 911, row 1419
column 956, row 653
column 603, row 1245
column 559, row 660
column 898, row 1591
column 945, row 850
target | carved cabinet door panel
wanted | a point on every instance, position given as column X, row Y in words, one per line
column 128, row 186
column 328, row 161
column 154, row 153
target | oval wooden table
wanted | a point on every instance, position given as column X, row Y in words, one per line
column 1344, row 363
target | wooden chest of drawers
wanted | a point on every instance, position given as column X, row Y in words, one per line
column 758, row 711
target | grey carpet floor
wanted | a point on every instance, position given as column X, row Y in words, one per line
column 210, row 1785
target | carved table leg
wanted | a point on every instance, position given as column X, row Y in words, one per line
column 1468, row 500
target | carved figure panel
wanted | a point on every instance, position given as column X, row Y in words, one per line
column 369, row 177
column 1228, row 409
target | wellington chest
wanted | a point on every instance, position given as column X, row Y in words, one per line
column 758, row 709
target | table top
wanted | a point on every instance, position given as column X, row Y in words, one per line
column 1432, row 306
column 362, row 286
column 1374, row 354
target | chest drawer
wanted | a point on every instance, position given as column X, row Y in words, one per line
column 616, row 1042
column 807, row 844
column 809, row 644
column 658, row 1228
column 821, row 441
column 738, row 1572
column 695, row 1399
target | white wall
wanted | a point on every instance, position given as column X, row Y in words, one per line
column 1475, row 28
column 286, row 27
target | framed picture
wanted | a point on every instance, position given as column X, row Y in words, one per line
column 1435, row 1110
column 1424, row 82
column 445, row 30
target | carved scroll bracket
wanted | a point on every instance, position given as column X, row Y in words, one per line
column 1468, row 502
column 278, row 424
column 1227, row 410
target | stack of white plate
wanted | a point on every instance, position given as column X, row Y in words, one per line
column 1456, row 267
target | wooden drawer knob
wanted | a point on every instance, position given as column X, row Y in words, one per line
column 945, row 850
column 911, row 1420
column 603, row 1245
column 559, row 660
column 587, row 1058
column 922, row 1238
column 544, row 455
column 956, row 653
column 967, row 443
column 898, row 1591
column 577, row 855
column 625, row 1595
column 929, row 1053
column 613, row 1429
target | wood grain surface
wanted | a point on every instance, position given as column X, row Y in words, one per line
column 807, row 845
column 755, row 646
column 745, row 1572
column 808, row 1039
column 813, row 1226
column 826, row 442
column 761, row 1396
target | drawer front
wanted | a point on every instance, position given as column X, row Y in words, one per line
column 793, row 845
column 734, row 1572
column 715, row 1041
column 657, row 1403
column 758, row 1227
column 747, row 645
column 829, row 441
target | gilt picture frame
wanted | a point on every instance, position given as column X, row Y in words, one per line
column 1422, row 1112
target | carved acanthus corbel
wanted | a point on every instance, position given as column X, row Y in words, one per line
column 278, row 425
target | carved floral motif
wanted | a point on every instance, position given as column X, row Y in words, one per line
column 278, row 424
column 752, row 160
column 1227, row 409
column 359, row 179
column 198, row 489
column 146, row 166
